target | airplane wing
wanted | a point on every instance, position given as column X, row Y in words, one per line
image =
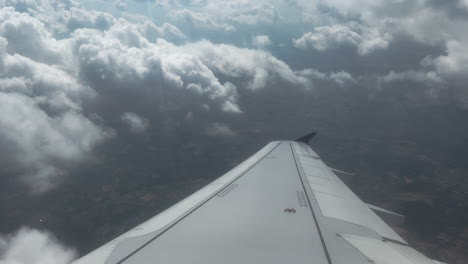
column 282, row 205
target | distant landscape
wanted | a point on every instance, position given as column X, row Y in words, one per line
column 103, row 202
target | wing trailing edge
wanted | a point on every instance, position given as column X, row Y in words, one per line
column 389, row 217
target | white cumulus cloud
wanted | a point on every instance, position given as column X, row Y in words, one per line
column 41, row 145
column 42, row 127
column 30, row 246
column 80, row 18
column 333, row 37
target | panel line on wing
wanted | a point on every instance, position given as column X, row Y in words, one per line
column 327, row 254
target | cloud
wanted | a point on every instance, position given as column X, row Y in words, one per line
column 28, row 36
column 427, row 21
column 220, row 129
column 253, row 13
column 431, row 26
column 136, row 123
column 464, row 3
column 357, row 6
column 450, row 70
column 123, row 54
column 30, row 246
column 218, row 14
column 333, row 37
column 328, row 37
column 59, row 94
column 41, row 145
column 261, row 41
column 43, row 129
column 120, row 5
column 80, row 18
column 199, row 21
column 455, row 63
column 340, row 78
column 416, row 76
column 255, row 69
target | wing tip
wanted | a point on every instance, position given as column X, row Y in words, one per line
column 306, row 139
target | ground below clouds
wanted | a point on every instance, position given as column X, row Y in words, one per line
column 396, row 172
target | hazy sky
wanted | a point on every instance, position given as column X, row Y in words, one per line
column 77, row 75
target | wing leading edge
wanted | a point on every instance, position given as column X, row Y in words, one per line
column 281, row 205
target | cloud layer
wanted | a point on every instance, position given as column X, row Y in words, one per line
column 64, row 67
column 68, row 73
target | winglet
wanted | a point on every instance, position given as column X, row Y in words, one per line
column 306, row 139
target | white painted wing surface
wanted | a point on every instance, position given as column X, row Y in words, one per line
column 282, row 205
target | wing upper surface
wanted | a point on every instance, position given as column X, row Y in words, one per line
column 281, row 205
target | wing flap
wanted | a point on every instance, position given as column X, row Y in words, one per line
column 389, row 217
column 337, row 201
column 384, row 252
